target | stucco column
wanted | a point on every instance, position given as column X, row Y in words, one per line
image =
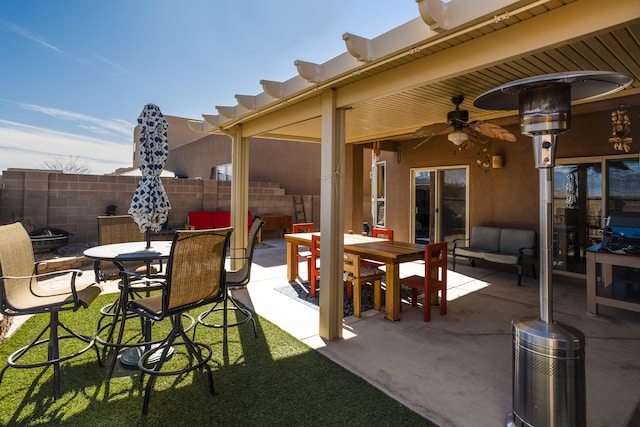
column 353, row 191
column 331, row 218
column 239, row 194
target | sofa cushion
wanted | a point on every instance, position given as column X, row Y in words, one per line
column 485, row 238
column 502, row 257
column 220, row 219
column 213, row 219
column 200, row 219
column 512, row 239
column 470, row 252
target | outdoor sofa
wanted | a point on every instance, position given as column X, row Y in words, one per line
column 510, row 246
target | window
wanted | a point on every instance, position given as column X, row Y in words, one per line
column 577, row 216
column 623, row 186
column 223, row 172
column 586, row 192
column 378, row 191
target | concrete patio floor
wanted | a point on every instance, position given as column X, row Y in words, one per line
column 456, row 369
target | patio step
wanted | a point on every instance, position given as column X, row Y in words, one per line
column 63, row 263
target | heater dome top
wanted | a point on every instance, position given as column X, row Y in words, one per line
column 584, row 85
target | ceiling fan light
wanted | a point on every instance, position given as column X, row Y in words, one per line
column 457, row 137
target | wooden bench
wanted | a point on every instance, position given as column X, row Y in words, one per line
column 281, row 223
column 510, row 246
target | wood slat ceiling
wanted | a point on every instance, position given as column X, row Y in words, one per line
column 399, row 114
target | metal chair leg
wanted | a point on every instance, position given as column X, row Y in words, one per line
column 248, row 315
column 194, row 351
column 53, row 350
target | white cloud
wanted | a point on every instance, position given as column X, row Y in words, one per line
column 117, row 68
column 98, row 125
column 28, row 35
column 94, row 129
column 25, row 146
column 23, row 32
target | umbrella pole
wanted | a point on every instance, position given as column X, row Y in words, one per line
column 148, row 265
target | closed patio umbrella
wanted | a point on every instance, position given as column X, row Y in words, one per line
column 150, row 205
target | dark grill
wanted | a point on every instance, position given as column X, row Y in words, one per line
column 621, row 235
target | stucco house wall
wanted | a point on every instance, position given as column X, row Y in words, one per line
column 505, row 197
column 295, row 165
column 178, row 131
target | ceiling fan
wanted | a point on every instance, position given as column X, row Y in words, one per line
column 461, row 131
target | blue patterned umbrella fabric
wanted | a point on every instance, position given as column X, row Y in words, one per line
column 150, row 205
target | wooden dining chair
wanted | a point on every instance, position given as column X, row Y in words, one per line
column 357, row 274
column 303, row 253
column 314, row 265
column 382, row 233
column 433, row 281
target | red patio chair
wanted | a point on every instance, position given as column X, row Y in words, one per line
column 434, row 279
column 382, row 233
column 314, row 265
column 304, row 254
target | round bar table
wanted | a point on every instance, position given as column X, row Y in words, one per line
column 119, row 253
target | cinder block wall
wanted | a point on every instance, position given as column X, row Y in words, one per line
column 72, row 202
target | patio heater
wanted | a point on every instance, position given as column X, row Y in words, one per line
column 548, row 358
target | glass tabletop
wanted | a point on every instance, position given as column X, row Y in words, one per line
column 130, row 251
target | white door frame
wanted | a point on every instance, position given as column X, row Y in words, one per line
column 436, row 187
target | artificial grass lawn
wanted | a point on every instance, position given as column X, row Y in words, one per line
column 270, row 380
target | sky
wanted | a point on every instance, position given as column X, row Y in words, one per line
column 75, row 74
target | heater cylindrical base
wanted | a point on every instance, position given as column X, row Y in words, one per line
column 549, row 385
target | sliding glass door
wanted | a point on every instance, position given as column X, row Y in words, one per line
column 440, row 200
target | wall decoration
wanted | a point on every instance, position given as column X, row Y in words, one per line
column 621, row 129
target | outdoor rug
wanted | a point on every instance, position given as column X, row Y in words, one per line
column 263, row 246
column 300, row 292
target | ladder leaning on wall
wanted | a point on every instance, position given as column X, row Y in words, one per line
column 298, row 209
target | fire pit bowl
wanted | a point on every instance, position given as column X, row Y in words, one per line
column 48, row 239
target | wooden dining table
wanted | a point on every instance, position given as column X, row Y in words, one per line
column 390, row 252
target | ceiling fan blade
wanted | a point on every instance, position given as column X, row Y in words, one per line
column 475, row 136
column 423, row 141
column 492, row 131
column 430, row 130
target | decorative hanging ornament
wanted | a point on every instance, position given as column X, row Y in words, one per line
column 621, row 129
column 484, row 160
column 376, row 148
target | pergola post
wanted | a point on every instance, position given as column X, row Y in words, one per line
column 239, row 193
column 331, row 217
